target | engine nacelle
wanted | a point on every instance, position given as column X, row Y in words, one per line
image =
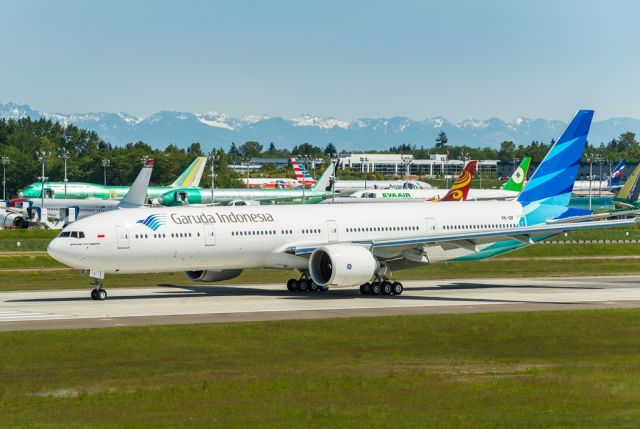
column 341, row 265
column 13, row 220
column 212, row 275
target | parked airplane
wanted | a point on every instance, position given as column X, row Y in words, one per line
column 611, row 183
column 302, row 175
column 629, row 195
column 458, row 192
column 333, row 246
column 510, row 190
column 315, row 194
column 190, row 178
column 346, row 187
column 58, row 213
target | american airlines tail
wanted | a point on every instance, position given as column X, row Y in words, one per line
column 460, row 189
column 190, row 178
column 547, row 194
column 302, row 175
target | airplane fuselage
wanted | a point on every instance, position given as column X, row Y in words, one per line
column 182, row 239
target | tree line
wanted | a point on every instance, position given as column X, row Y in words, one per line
column 21, row 138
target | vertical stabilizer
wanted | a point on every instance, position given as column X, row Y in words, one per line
column 137, row 194
column 460, row 189
column 519, row 176
column 190, row 178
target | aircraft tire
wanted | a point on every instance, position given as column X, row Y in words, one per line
column 376, row 289
column 397, row 288
column 292, row 285
column 387, row 287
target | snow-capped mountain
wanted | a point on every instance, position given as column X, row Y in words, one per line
column 218, row 129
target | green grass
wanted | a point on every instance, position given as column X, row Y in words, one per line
column 502, row 370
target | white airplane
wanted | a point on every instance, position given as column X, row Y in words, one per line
column 331, row 245
column 64, row 211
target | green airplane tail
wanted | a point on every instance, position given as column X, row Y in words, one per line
column 517, row 179
column 630, row 192
column 190, row 178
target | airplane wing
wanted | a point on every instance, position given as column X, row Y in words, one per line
column 471, row 239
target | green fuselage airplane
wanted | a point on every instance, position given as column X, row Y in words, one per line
column 189, row 179
column 315, row 194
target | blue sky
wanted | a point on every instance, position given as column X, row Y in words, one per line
column 347, row 59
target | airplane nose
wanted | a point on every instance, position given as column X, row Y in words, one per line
column 59, row 251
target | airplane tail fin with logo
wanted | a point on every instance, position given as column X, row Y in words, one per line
column 302, row 175
column 546, row 195
column 614, row 180
column 519, row 176
column 630, row 192
column 137, row 194
column 460, row 189
column 190, row 178
column 325, row 180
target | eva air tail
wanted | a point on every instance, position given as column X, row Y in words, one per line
column 517, row 179
column 190, row 178
column 628, row 196
column 546, row 196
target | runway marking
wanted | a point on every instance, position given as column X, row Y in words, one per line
column 17, row 315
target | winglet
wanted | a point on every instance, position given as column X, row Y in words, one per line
column 137, row 194
column 190, row 178
column 460, row 189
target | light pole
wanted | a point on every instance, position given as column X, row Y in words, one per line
column 599, row 160
column 64, row 154
column 590, row 161
column 42, row 157
column 4, row 160
column 105, row 164
column 406, row 164
column 213, row 157
column 364, row 160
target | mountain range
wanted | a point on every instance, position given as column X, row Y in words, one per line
column 217, row 129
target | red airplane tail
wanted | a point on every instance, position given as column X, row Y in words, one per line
column 460, row 188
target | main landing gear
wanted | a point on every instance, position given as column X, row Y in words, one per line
column 304, row 285
column 98, row 293
column 385, row 287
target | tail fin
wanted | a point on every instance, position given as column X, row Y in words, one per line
column 614, row 180
column 302, row 175
column 460, row 189
column 552, row 183
column 190, row 178
column 630, row 192
column 325, row 180
column 517, row 179
column 137, row 194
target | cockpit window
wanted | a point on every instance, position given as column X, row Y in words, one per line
column 72, row 234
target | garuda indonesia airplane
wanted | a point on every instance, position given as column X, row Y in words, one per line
column 331, row 245
column 190, row 178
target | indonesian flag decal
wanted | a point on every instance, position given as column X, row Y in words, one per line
column 100, row 235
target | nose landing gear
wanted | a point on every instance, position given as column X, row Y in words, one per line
column 96, row 279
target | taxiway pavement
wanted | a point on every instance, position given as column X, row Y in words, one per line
column 177, row 304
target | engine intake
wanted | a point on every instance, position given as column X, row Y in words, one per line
column 342, row 265
column 212, row 275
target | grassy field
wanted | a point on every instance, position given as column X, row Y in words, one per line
column 71, row 279
column 502, row 370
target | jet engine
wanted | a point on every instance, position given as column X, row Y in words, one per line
column 341, row 265
column 13, row 220
column 212, row 275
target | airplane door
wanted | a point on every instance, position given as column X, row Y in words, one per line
column 122, row 233
column 332, row 228
column 209, row 235
column 431, row 225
